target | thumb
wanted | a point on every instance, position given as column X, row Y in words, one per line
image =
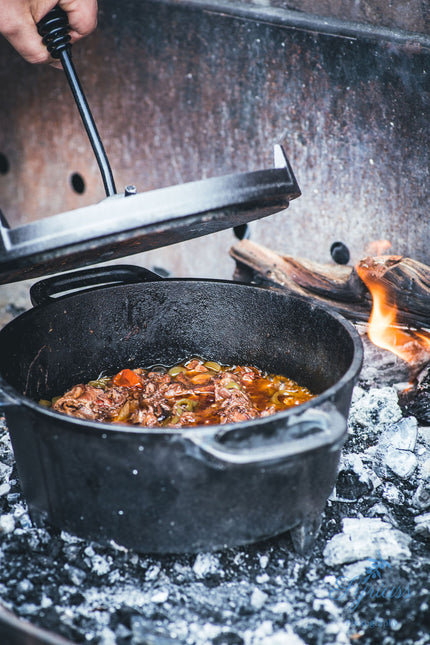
column 82, row 15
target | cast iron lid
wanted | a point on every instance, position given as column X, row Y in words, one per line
column 122, row 225
column 128, row 223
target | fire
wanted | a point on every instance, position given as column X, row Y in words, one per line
column 378, row 247
column 384, row 330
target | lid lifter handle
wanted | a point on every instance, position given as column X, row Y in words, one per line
column 54, row 29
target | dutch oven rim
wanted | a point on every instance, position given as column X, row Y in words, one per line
column 14, row 397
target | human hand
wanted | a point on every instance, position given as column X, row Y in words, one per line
column 19, row 18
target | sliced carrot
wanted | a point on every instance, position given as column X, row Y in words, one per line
column 127, row 378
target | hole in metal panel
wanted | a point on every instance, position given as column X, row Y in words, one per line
column 340, row 253
column 4, row 164
column 78, row 183
column 241, row 231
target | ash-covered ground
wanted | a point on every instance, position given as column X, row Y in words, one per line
column 367, row 581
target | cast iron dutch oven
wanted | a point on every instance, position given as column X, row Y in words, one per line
column 175, row 490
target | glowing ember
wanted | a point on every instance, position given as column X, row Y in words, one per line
column 410, row 345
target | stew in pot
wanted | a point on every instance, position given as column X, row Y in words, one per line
column 195, row 392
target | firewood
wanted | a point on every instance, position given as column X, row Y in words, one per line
column 332, row 284
column 406, row 281
column 340, row 287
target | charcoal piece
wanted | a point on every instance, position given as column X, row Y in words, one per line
column 416, row 400
column 421, row 498
column 395, row 449
column 419, row 408
column 350, row 486
column 422, row 525
column 228, row 638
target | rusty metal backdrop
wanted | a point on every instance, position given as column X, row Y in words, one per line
column 187, row 90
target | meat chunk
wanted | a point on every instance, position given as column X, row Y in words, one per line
column 237, row 407
column 89, row 402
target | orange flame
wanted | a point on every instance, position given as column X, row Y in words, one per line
column 383, row 330
column 378, row 247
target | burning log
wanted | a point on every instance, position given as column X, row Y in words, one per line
column 406, row 282
column 389, row 292
column 402, row 283
column 388, row 289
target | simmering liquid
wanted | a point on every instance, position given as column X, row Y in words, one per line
column 194, row 392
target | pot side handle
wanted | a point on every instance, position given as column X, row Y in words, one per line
column 309, row 431
column 41, row 292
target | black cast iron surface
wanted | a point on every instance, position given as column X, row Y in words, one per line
column 259, row 595
column 123, row 225
column 171, row 490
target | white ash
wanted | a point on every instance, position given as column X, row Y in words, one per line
column 421, row 498
column 402, row 434
column 160, row 596
column 371, row 410
column 282, row 607
column 257, row 595
column 423, row 463
column 366, row 538
column 258, row 598
column 392, row 494
column 423, row 525
column 265, row 635
column 7, row 523
column 262, row 578
column 424, row 436
column 384, row 512
column 205, row 565
column 264, row 561
column 152, row 572
column 395, row 450
column 4, row 489
column 5, row 470
column 355, row 569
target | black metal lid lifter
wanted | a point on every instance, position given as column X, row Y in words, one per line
column 54, row 29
